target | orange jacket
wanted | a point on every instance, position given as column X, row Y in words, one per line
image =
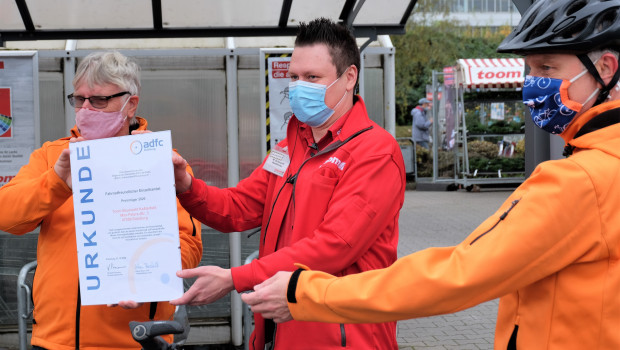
column 551, row 252
column 38, row 197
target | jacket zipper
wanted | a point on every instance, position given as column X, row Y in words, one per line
column 273, row 340
column 502, row 217
column 343, row 336
column 292, row 179
column 77, row 319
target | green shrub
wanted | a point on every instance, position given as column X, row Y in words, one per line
column 483, row 149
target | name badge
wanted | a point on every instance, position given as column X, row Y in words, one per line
column 278, row 161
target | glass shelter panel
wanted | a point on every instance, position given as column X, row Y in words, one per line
column 376, row 11
column 217, row 13
column 9, row 16
column 52, row 99
column 90, row 14
column 373, row 94
column 250, row 147
column 304, row 11
column 192, row 104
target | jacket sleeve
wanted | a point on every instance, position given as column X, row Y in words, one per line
column 363, row 207
column 35, row 192
column 541, row 229
column 232, row 209
column 190, row 236
column 419, row 121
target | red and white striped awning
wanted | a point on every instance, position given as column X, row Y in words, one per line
column 487, row 73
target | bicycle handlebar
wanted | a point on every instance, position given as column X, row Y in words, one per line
column 148, row 333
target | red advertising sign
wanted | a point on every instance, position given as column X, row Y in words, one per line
column 6, row 121
column 279, row 69
column 492, row 72
column 18, row 99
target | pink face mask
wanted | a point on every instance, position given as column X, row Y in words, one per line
column 94, row 124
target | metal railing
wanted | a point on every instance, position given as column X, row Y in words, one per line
column 24, row 303
column 247, row 312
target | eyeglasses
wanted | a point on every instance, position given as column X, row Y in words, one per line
column 95, row 101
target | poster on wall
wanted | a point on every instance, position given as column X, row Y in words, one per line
column 497, row 110
column 276, row 110
column 449, row 89
column 5, row 113
column 19, row 110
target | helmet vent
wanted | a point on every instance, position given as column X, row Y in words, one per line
column 574, row 30
column 606, row 20
column 541, row 29
column 530, row 19
column 575, row 6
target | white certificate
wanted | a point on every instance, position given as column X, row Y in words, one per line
column 126, row 221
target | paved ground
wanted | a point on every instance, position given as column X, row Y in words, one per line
column 443, row 219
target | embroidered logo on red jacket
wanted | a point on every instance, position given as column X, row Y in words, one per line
column 333, row 160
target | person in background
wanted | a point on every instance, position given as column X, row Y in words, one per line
column 328, row 196
column 105, row 97
column 421, row 123
column 551, row 252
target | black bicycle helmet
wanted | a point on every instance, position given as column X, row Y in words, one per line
column 569, row 26
column 566, row 26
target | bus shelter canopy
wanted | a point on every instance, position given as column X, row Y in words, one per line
column 22, row 20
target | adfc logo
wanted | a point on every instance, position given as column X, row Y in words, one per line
column 136, row 147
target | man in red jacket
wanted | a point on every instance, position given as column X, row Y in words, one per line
column 551, row 251
column 331, row 202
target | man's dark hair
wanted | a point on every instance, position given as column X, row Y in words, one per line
column 338, row 38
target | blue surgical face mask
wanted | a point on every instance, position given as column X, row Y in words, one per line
column 549, row 104
column 307, row 101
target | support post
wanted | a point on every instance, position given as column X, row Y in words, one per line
column 232, row 116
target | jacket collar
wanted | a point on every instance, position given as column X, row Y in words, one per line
column 357, row 119
column 569, row 134
column 606, row 139
column 348, row 124
column 592, row 132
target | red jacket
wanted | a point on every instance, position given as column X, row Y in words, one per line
column 37, row 197
column 341, row 214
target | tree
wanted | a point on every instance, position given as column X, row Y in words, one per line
column 432, row 45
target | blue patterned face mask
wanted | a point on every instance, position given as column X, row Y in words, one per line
column 307, row 101
column 549, row 104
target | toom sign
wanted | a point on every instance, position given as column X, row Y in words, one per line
column 491, row 72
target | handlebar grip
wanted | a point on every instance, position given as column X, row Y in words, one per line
column 147, row 333
column 150, row 329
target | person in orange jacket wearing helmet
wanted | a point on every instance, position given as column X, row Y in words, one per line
column 551, row 253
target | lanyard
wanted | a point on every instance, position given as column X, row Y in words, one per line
column 292, row 179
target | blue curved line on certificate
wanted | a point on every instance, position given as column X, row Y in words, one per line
column 132, row 262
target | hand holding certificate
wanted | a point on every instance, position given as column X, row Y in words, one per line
column 126, row 219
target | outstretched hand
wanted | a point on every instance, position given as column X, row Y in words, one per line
column 212, row 283
column 269, row 298
column 182, row 179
